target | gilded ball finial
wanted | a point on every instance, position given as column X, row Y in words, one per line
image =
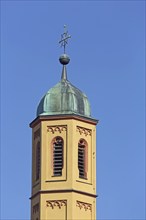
column 64, row 59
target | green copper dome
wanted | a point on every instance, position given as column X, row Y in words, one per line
column 64, row 98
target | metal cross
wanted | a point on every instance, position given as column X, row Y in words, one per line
column 64, row 38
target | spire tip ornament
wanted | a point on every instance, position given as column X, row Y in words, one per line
column 64, row 58
column 64, row 38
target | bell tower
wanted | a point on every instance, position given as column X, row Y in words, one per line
column 63, row 153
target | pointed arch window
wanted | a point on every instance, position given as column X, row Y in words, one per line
column 38, row 157
column 57, row 156
column 82, row 158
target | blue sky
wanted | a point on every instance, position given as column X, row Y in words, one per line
column 107, row 52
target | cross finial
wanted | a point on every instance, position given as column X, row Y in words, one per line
column 64, row 38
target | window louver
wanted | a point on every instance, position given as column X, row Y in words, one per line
column 58, row 157
column 81, row 161
column 82, row 158
column 38, row 161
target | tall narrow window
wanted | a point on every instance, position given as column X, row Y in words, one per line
column 38, row 161
column 82, row 159
column 57, row 156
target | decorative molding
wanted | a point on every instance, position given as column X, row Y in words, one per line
column 84, row 205
column 84, row 131
column 37, row 133
column 37, row 120
column 56, row 203
column 35, row 208
column 63, row 191
column 59, row 128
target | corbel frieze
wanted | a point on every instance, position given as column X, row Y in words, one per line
column 35, row 208
column 84, row 131
column 57, row 128
column 37, row 133
column 84, row 205
column 56, row 203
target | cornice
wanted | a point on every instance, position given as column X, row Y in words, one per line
column 62, row 117
column 63, row 191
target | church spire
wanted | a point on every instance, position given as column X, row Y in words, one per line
column 63, row 153
column 64, row 58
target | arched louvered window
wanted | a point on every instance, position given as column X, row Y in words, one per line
column 38, row 161
column 82, row 158
column 57, row 156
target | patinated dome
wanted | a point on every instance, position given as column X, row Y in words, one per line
column 64, row 98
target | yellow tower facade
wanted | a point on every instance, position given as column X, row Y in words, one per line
column 63, row 155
